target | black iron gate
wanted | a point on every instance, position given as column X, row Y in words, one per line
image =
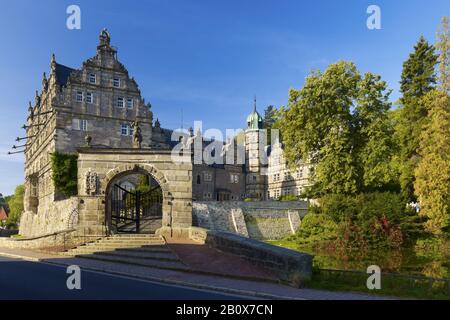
column 129, row 209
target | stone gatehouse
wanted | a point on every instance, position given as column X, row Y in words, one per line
column 110, row 165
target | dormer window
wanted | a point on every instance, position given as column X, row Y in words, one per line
column 92, row 78
column 116, row 82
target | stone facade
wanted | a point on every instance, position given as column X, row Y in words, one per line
column 97, row 112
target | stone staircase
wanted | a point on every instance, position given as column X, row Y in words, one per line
column 137, row 249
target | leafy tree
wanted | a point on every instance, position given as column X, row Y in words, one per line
column 15, row 203
column 340, row 122
column 418, row 78
column 270, row 117
column 319, row 114
column 375, row 130
column 432, row 184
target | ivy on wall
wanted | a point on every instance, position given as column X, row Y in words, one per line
column 64, row 173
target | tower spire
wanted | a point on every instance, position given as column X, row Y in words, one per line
column 254, row 104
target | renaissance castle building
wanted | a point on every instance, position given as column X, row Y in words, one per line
column 100, row 106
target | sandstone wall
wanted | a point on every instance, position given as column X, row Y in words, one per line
column 53, row 217
column 263, row 220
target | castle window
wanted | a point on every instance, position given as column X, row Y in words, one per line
column 130, row 103
column 79, row 124
column 124, row 130
column 234, row 178
column 89, row 97
column 207, row 195
column 79, row 96
column 120, row 102
column 299, row 173
column 207, row 176
column 116, row 82
column 198, row 179
column 92, row 78
column 83, row 125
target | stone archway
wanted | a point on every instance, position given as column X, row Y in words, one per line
column 135, row 211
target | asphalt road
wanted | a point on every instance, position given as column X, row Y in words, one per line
column 32, row 280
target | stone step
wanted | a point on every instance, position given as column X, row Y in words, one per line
column 126, row 243
column 130, row 240
column 167, row 256
column 148, row 249
column 144, row 250
column 135, row 235
column 170, row 265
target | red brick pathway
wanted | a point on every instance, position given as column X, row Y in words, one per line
column 204, row 258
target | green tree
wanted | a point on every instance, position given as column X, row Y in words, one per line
column 15, row 203
column 323, row 104
column 418, row 78
column 432, row 184
column 270, row 117
column 375, row 130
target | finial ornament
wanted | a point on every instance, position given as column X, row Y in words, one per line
column 254, row 104
column 53, row 63
column 37, row 99
column 105, row 37
column 44, row 82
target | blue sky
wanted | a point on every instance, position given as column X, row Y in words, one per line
column 205, row 57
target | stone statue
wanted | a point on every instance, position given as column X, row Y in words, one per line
column 137, row 135
column 88, row 140
column 91, row 187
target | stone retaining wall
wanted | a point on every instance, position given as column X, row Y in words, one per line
column 59, row 240
column 55, row 217
column 263, row 220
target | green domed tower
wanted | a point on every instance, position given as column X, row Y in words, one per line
column 255, row 141
column 254, row 119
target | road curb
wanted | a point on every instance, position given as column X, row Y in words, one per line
column 253, row 294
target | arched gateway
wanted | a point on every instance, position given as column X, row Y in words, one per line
column 133, row 191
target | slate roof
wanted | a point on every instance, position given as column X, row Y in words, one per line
column 62, row 74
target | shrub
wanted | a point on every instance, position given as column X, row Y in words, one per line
column 378, row 219
column 288, row 197
column 316, row 228
column 64, row 173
